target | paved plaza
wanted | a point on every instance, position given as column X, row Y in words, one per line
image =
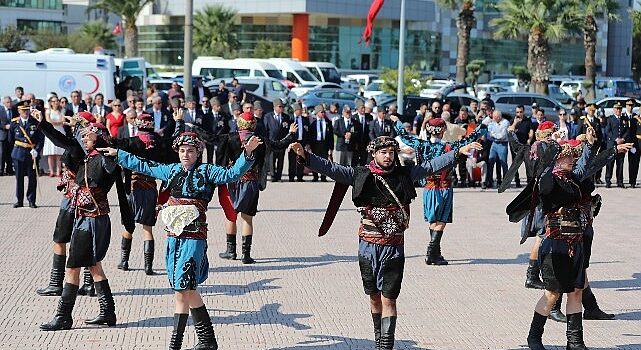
column 305, row 293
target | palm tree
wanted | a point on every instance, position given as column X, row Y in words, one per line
column 465, row 22
column 589, row 11
column 99, row 32
column 129, row 11
column 541, row 21
column 214, row 33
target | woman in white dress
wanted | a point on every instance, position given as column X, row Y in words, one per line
column 56, row 116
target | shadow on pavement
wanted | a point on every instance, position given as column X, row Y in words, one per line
column 520, row 259
column 222, row 289
column 268, row 314
column 633, row 284
column 629, row 316
column 301, row 263
column 319, row 342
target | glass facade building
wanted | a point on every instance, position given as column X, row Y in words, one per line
column 34, row 4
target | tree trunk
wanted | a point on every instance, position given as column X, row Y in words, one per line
column 131, row 39
column 590, row 30
column 538, row 61
column 464, row 23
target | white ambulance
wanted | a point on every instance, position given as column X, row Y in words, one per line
column 44, row 72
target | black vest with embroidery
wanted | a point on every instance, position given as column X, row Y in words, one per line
column 366, row 191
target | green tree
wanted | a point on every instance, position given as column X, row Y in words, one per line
column 465, row 22
column 636, row 41
column 270, row 49
column 589, row 11
column 12, row 39
column 128, row 10
column 521, row 73
column 474, row 70
column 411, row 81
column 214, row 33
column 541, row 21
column 99, row 34
column 46, row 39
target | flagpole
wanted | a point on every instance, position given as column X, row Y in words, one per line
column 401, row 62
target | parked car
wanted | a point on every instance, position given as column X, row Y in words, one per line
column 163, row 84
column 302, row 89
column 511, row 84
column 323, row 71
column 607, row 104
column 573, row 87
column 269, row 88
column 317, row 96
column 483, row 89
column 622, row 87
column 559, row 94
column 433, row 87
column 506, row 102
column 458, row 100
column 373, row 90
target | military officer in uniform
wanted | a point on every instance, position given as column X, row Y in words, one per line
column 634, row 156
column 617, row 130
column 381, row 126
column 27, row 141
column 591, row 120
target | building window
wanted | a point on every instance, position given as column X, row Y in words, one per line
column 34, row 25
column 36, row 4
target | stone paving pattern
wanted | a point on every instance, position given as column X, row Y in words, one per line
column 305, row 293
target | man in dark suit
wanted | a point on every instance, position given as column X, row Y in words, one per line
column 6, row 114
column 201, row 93
column 76, row 104
column 221, row 94
column 277, row 125
column 361, row 155
column 99, row 106
column 381, row 126
column 302, row 137
column 128, row 129
column 28, row 142
column 346, row 130
column 591, row 120
column 617, row 130
column 162, row 117
column 231, row 100
column 321, row 138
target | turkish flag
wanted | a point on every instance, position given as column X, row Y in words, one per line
column 371, row 15
column 117, row 29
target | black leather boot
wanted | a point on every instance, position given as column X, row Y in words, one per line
column 107, row 315
column 56, row 279
column 62, row 319
column 433, row 255
column 575, row 332
column 246, row 250
column 180, row 322
column 591, row 310
column 230, row 253
column 534, row 337
column 204, row 330
column 556, row 314
column 149, row 257
column 376, row 318
column 87, row 286
column 532, row 279
column 125, row 250
column 388, row 327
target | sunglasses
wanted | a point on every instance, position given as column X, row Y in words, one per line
column 116, row 105
column 562, row 114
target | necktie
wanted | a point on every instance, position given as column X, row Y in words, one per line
column 9, row 113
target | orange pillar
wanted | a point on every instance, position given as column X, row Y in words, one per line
column 300, row 37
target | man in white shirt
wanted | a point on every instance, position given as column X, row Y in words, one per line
column 295, row 169
column 497, row 131
column 321, row 138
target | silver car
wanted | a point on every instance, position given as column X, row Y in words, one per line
column 506, row 102
column 269, row 88
column 317, row 96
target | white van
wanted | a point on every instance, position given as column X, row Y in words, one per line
column 294, row 71
column 42, row 73
column 214, row 67
column 323, row 71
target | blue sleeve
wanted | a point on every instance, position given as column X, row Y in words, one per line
column 478, row 132
column 583, row 164
column 144, row 166
column 410, row 140
column 339, row 173
column 220, row 175
column 434, row 166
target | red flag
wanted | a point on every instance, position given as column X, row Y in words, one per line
column 371, row 15
column 117, row 29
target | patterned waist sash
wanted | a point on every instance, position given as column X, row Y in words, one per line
column 197, row 229
column 142, row 182
column 89, row 201
column 440, row 181
column 567, row 224
column 383, row 225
